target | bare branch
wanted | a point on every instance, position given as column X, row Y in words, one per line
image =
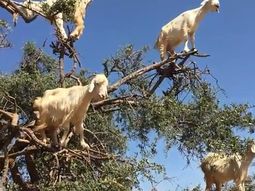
column 151, row 67
column 116, row 101
column 26, row 150
column 157, row 84
column 13, row 8
column 61, row 67
column 34, row 139
column 14, row 117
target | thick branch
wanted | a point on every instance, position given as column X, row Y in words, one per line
column 31, row 134
column 6, row 5
column 27, row 150
column 13, row 8
column 9, row 115
column 116, row 101
column 14, row 117
column 137, row 73
column 151, row 67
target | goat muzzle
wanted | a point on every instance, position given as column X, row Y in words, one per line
column 217, row 8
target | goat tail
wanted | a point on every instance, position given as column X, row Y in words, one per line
column 206, row 166
column 203, row 166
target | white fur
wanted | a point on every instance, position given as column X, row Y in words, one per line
column 59, row 108
column 34, row 7
column 219, row 168
column 183, row 28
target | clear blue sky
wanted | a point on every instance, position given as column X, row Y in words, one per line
column 228, row 37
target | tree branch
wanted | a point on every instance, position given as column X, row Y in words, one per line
column 115, row 101
column 61, row 66
column 157, row 84
column 153, row 66
column 14, row 117
column 26, row 150
column 13, row 8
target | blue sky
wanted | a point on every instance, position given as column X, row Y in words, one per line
column 228, row 37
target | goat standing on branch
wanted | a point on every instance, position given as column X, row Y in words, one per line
column 32, row 8
column 220, row 168
column 59, row 108
column 183, row 28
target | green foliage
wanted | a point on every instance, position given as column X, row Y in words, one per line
column 195, row 125
column 126, row 61
column 110, row 175
column 67, row 7
column 104, row 125
column 197, row 188
column 35, row 75
column 4, row 30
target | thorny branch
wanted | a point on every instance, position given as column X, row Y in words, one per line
column 22, row 141
column 115, row 101
column 63, row 49
column 13, row 8
column 171, row 69
column 25, row 143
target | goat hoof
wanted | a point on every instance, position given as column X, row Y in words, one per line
column 194, row 50
column 85, row 146
column 64, row 39
column 56, row 147
column 73, row 37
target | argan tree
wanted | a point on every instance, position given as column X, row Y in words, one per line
column 148, row 102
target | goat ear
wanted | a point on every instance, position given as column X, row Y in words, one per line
column 253, row 148
column 204, row 2
column 91, row 86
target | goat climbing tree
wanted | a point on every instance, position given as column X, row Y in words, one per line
column 167, row 99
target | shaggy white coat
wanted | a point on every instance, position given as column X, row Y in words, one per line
column 183, row 28
column 59, row 108
column 219, row 168
column 31, row 8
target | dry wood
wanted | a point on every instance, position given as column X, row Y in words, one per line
column 12, row 8
column 183, row 56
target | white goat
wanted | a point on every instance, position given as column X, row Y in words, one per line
column 183, row 28
column 32, row 8
column 59, row 108
column 219, row 168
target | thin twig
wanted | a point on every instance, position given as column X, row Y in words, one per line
column 115, row 101
column 149, row 68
